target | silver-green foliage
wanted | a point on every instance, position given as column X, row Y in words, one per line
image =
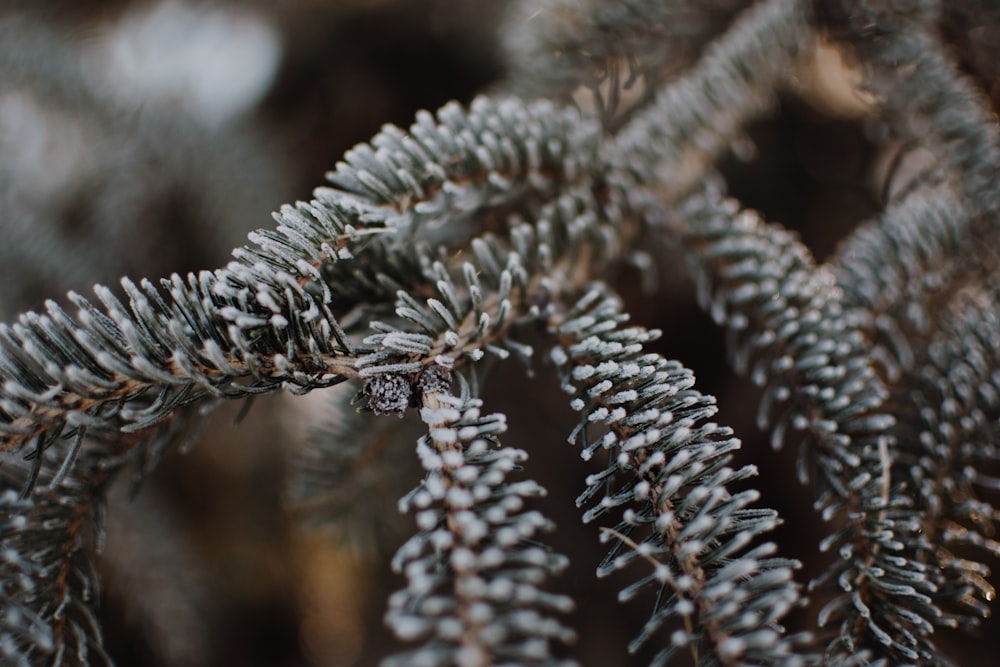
column 433, row 247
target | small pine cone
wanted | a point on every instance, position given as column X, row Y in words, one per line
column 389, row 394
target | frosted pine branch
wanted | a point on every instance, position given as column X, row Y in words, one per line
column 49, row 587
column 667, row 465
column 470, row 235
column 474, row 571
column 786, row 317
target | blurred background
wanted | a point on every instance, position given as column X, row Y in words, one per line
column 143, row 138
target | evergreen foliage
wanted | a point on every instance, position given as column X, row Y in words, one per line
column 490, row 232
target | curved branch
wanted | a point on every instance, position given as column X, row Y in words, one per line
column 50, row 585
column 787, row 316
column 668, row 465
column 474, row 571
column 621, row 51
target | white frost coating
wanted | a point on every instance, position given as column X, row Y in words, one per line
column 441, row 539
column 452, row 459
column 408, row 627
column 443, row 415
column 444, row 360
column 427, row 519
column 429, row 458
column 466, row 474
column 422, row 499
column 449, row 628
column 507, row 536
column 730, row 647
column 558, row 356
column 480, row 613
column 444, row 435
column 463, row 560
column 495, row 514
column 492, row 557
column 513, row 503
column 598, row 415
column 459, row 498
column 467, row 433
column 435, row 487
column 679, row 638
column 501, row 589
column 471, row 656
column 471, row 528
column 493, row 477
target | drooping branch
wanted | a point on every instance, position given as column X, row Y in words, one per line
column 474, row 571
column 786, row 317
column 692, row 120
column 949, row 406
column 897, row 271
column 620, row 52
column 267, row 319
column 667, row 465
column 928, row 100
column 49, row 587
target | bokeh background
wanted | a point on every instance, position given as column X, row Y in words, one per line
column 145, row 137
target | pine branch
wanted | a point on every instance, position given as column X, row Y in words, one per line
column 433, row 246
column 474, row 571
column 449, row 168
column 949, row 408
column 49, row 585
column 929, row 100
column 694, row 119
column 173, row 335
column 265, row 320
column 897, row 271
column 667, row 465
column 619, row 51
column 500, row 158
column 786, row 315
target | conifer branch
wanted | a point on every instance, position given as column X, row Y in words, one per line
column 898, row 270
column 474, row 571
column 668, row 466
column 949, row 406
column 619, row 51
column 786, row 315
column 266, row 320
column 50, row 587
column 928, row 99
column 692, row 120
column 439, row 244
